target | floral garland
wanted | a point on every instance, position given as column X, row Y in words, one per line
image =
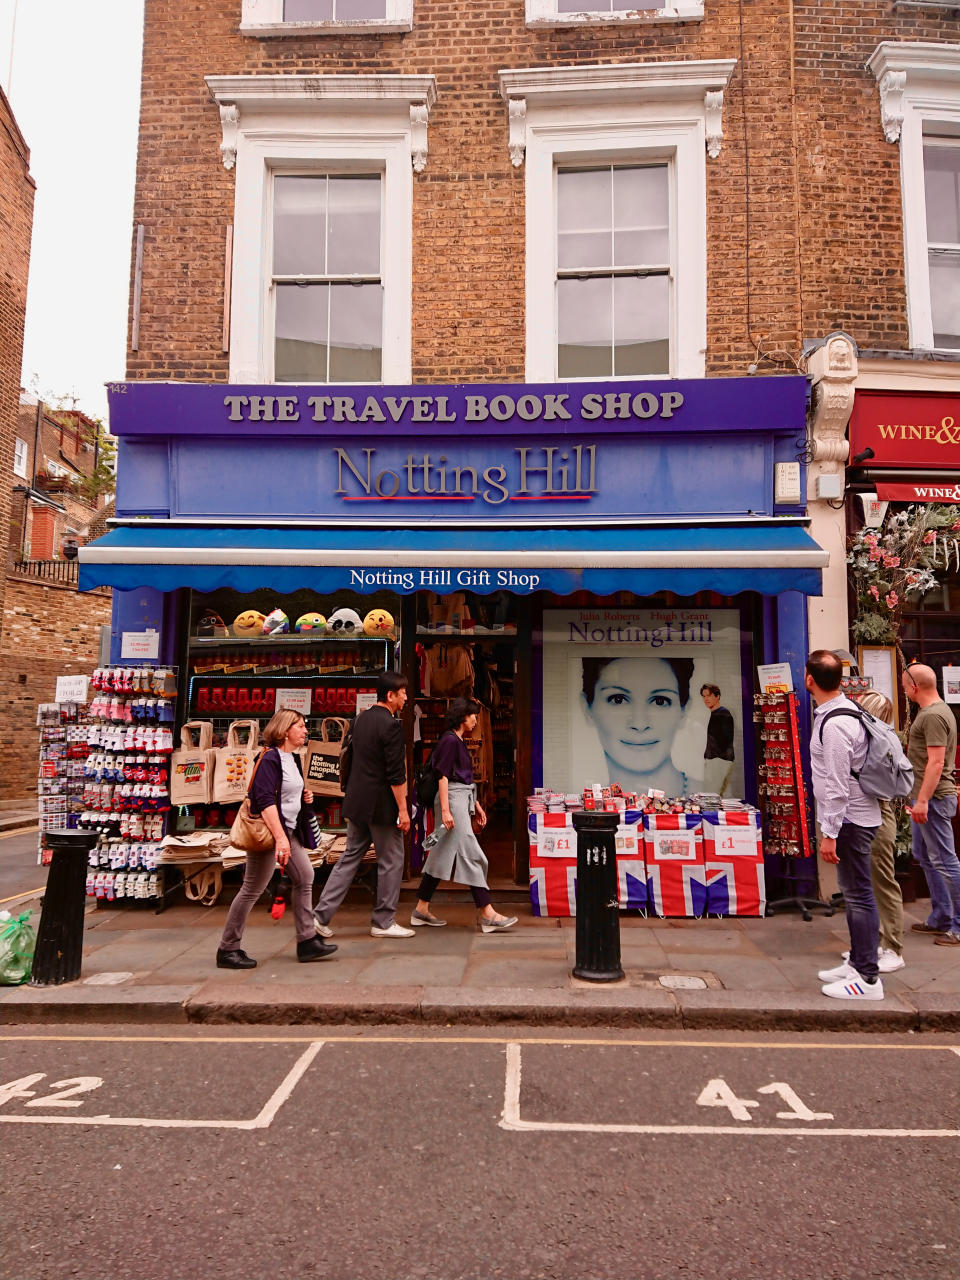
column 889, row 567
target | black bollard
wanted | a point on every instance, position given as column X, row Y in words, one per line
column 598, row 911
column 60, row 935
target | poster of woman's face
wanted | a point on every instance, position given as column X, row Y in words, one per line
column 630, row 697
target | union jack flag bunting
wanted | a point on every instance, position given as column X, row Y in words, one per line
column 676, row 872
column 734, row 864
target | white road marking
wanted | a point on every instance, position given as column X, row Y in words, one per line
column 511, row 1119
column 262, row 1120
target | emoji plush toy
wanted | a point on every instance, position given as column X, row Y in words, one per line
column 276, row 623
column 312, row 622
column 345, row 622
column 248, row 623
column 378, row 623
column 211, row 624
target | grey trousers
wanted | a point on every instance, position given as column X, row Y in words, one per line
column 256, row 877
column 388, row 842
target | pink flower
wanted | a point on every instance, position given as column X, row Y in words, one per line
column 928, row 538
column 871, row 539
column 875, row 554
column 874, row 591
column 955, row 526
column 892, row 600
column 891, row 562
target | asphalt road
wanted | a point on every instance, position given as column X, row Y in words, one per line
column 19, row 872
column 370, row 1154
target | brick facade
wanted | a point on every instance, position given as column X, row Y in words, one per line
column 807, row 218
column 849, row 175
column 16, row 226
column 49, row 630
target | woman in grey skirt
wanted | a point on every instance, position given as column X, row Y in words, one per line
column 454, row 851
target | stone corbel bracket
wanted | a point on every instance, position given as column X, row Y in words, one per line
column 419, row 115
column 517, row 110
column 833, row 369
column 694, row 87
column 230, row 126
column 892, row 85
column 713, row 120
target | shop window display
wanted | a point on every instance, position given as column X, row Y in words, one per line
column 248, row 656
column 630, row 697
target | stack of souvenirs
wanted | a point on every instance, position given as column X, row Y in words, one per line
column 105, row 768
column 693, row 856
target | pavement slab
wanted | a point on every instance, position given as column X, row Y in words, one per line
column 759, row 973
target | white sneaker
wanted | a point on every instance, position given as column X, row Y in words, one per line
column 845, row 970
column 324, row 930
column 395, row 931
column 854, row 988
column 888, row 961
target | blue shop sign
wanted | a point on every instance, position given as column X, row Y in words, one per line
column 515, row 453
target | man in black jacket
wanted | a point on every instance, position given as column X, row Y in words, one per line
column 719, row 755
column 375, row 807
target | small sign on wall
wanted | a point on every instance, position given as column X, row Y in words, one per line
column 72, row 688
column 140, row 644
column 951, row 684
column 366, row 700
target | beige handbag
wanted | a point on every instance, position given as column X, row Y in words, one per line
column 322, row 774
column 248, row 833
column 191, row 767
column 235, row 762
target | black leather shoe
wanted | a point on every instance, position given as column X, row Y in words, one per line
column 235, row 960
column 314, row 949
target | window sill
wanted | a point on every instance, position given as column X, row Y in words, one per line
column 624, row 18
column 369, row 27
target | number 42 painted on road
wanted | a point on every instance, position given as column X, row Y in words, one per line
column 717, row 1093
column 66, row 1098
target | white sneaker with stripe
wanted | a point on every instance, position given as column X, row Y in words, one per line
column 853, row 988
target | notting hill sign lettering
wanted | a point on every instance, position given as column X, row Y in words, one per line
column 532, row 473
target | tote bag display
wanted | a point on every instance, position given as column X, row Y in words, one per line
column 234, row 762
column 323, row 759
column 191, row 767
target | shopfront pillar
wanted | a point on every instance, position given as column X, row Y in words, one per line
column 833, row 369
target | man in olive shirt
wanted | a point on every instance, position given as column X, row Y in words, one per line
column 932, row 747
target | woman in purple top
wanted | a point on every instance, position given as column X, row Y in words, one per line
column 454, row 851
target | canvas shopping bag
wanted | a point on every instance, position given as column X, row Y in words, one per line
column 322, row 775
column 191, row 767
column 234, row 762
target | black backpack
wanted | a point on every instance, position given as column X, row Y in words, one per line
column 426, row 784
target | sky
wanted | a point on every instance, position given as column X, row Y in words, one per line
column 75, row 92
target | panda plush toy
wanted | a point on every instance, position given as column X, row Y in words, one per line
column 345, row 623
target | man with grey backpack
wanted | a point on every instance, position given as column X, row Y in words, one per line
column 853, row 757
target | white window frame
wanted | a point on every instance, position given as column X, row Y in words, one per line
column 320, row 124
column 919, row 87
column 618, row 114
column 270, row 314
column 544, row 13
column 265, row 18
column 21, row 453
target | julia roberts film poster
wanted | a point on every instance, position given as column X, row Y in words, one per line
column 622, row 700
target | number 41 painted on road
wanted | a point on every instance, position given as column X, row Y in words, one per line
column 717, row 1093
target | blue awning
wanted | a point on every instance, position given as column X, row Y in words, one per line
column 766, row 557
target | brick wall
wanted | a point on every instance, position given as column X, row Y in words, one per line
column 49, row 631
column 16, row 224
column 852, row 220
column 468, row 204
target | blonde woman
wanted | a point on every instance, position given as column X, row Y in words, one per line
column 886, row 890
column 277, row 795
